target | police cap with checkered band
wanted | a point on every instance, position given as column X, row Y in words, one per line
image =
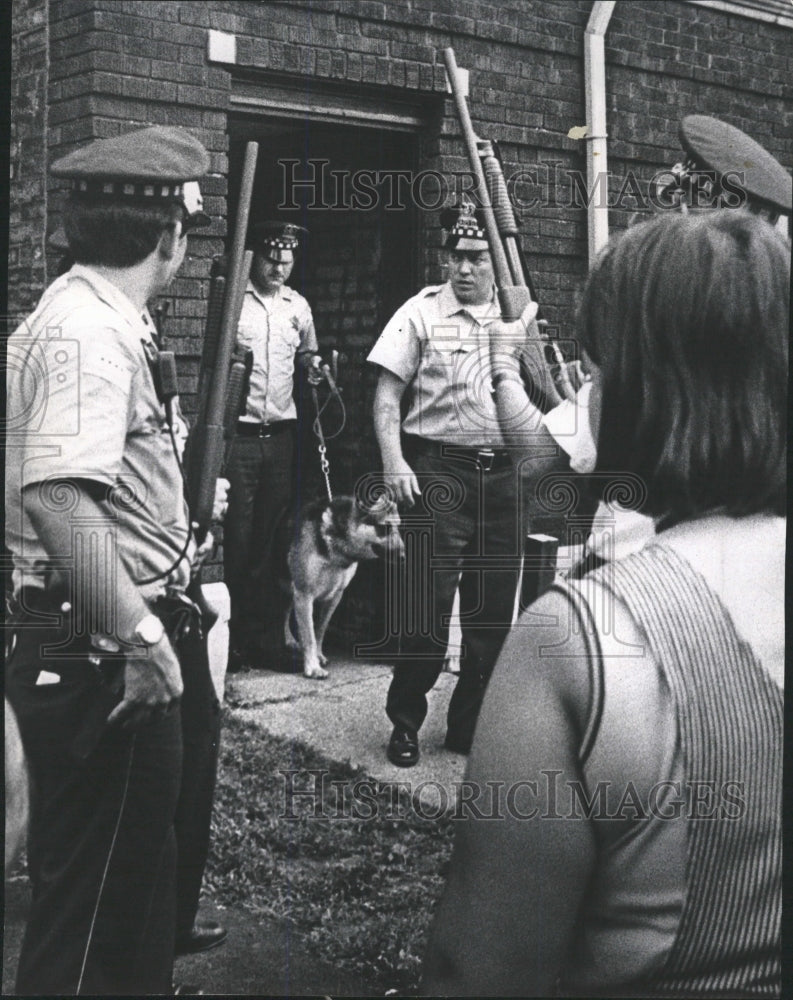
column 465, row 227
column 277, row 241
column 156, row 165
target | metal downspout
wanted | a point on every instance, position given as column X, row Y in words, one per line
column 597, row 153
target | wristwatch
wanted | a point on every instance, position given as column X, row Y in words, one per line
column 149, row 630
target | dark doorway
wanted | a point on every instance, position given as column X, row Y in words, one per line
column 349, row 186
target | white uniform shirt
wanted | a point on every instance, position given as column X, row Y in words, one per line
column 82, row 404
column 440, row 348
column 275, row 328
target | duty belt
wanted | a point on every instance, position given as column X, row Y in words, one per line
column 177, row 612
column 488, row 459
column 246, row 428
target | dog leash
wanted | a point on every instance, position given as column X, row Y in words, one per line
column 324, row 464
column 330, row 378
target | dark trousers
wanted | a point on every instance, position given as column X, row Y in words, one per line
column 260, row 477
column 101, row 845
column 465, row 529
column 200, row 712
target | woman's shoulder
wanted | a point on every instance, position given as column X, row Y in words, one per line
column 550, row 657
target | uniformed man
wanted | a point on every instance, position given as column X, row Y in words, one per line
column 100, row 537
column 447, row 458
column 277, row 326
column 722, row 167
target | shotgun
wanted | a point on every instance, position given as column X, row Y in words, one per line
column 548, row 382
column 222, row 375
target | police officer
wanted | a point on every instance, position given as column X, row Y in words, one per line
column 277, row 326
column 99, row 533
column 722, row 167
column 447, row 459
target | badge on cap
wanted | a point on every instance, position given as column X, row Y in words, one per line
column 465, row 227
column 278, row 240
column 193, row 202
column 724, row 165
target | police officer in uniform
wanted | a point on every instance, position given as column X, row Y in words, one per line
column 276, row 324
column 447, row 460
column 99, row 533
column 722, row 167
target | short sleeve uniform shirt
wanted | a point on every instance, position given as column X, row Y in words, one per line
column 82, row 404
column 440, row 348
column 275, row 328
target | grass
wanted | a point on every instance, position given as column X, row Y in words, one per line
column 349, row 864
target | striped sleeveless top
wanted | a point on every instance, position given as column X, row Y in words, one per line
column 729, row 720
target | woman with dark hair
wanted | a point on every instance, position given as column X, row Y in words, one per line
column 629, row 750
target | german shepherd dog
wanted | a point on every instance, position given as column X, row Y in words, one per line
column 330, row 538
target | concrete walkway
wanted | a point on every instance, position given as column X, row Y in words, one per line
column 343, row 717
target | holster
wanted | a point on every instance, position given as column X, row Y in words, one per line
column 179, row 615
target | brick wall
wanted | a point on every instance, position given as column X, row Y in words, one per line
column 28, row 204
column 667, row 60
column 120, row 62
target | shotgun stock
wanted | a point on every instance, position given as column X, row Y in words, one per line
column 513, row 282
column 206, row 446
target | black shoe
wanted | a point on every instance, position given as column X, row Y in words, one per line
column 457, row 745
column 403, row 747
column 203, row 935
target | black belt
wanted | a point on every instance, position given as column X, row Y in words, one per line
column 37, row 599
column 246, row 428
column 489, row 459
column 178, row 614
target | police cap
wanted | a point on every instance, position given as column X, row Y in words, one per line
column 465, row 227
column 156, row 164
column 714, row 145
column 278, row 240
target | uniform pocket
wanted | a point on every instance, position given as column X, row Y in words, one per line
column 61, row 703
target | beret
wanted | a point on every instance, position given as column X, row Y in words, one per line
column 150, row 162
column 714, row 145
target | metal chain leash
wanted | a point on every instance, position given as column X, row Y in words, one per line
column 322, row 448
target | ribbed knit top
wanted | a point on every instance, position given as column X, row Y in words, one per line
column 718, row 934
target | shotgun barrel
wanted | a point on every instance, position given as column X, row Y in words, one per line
column 206, row 446
column 513, row 281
